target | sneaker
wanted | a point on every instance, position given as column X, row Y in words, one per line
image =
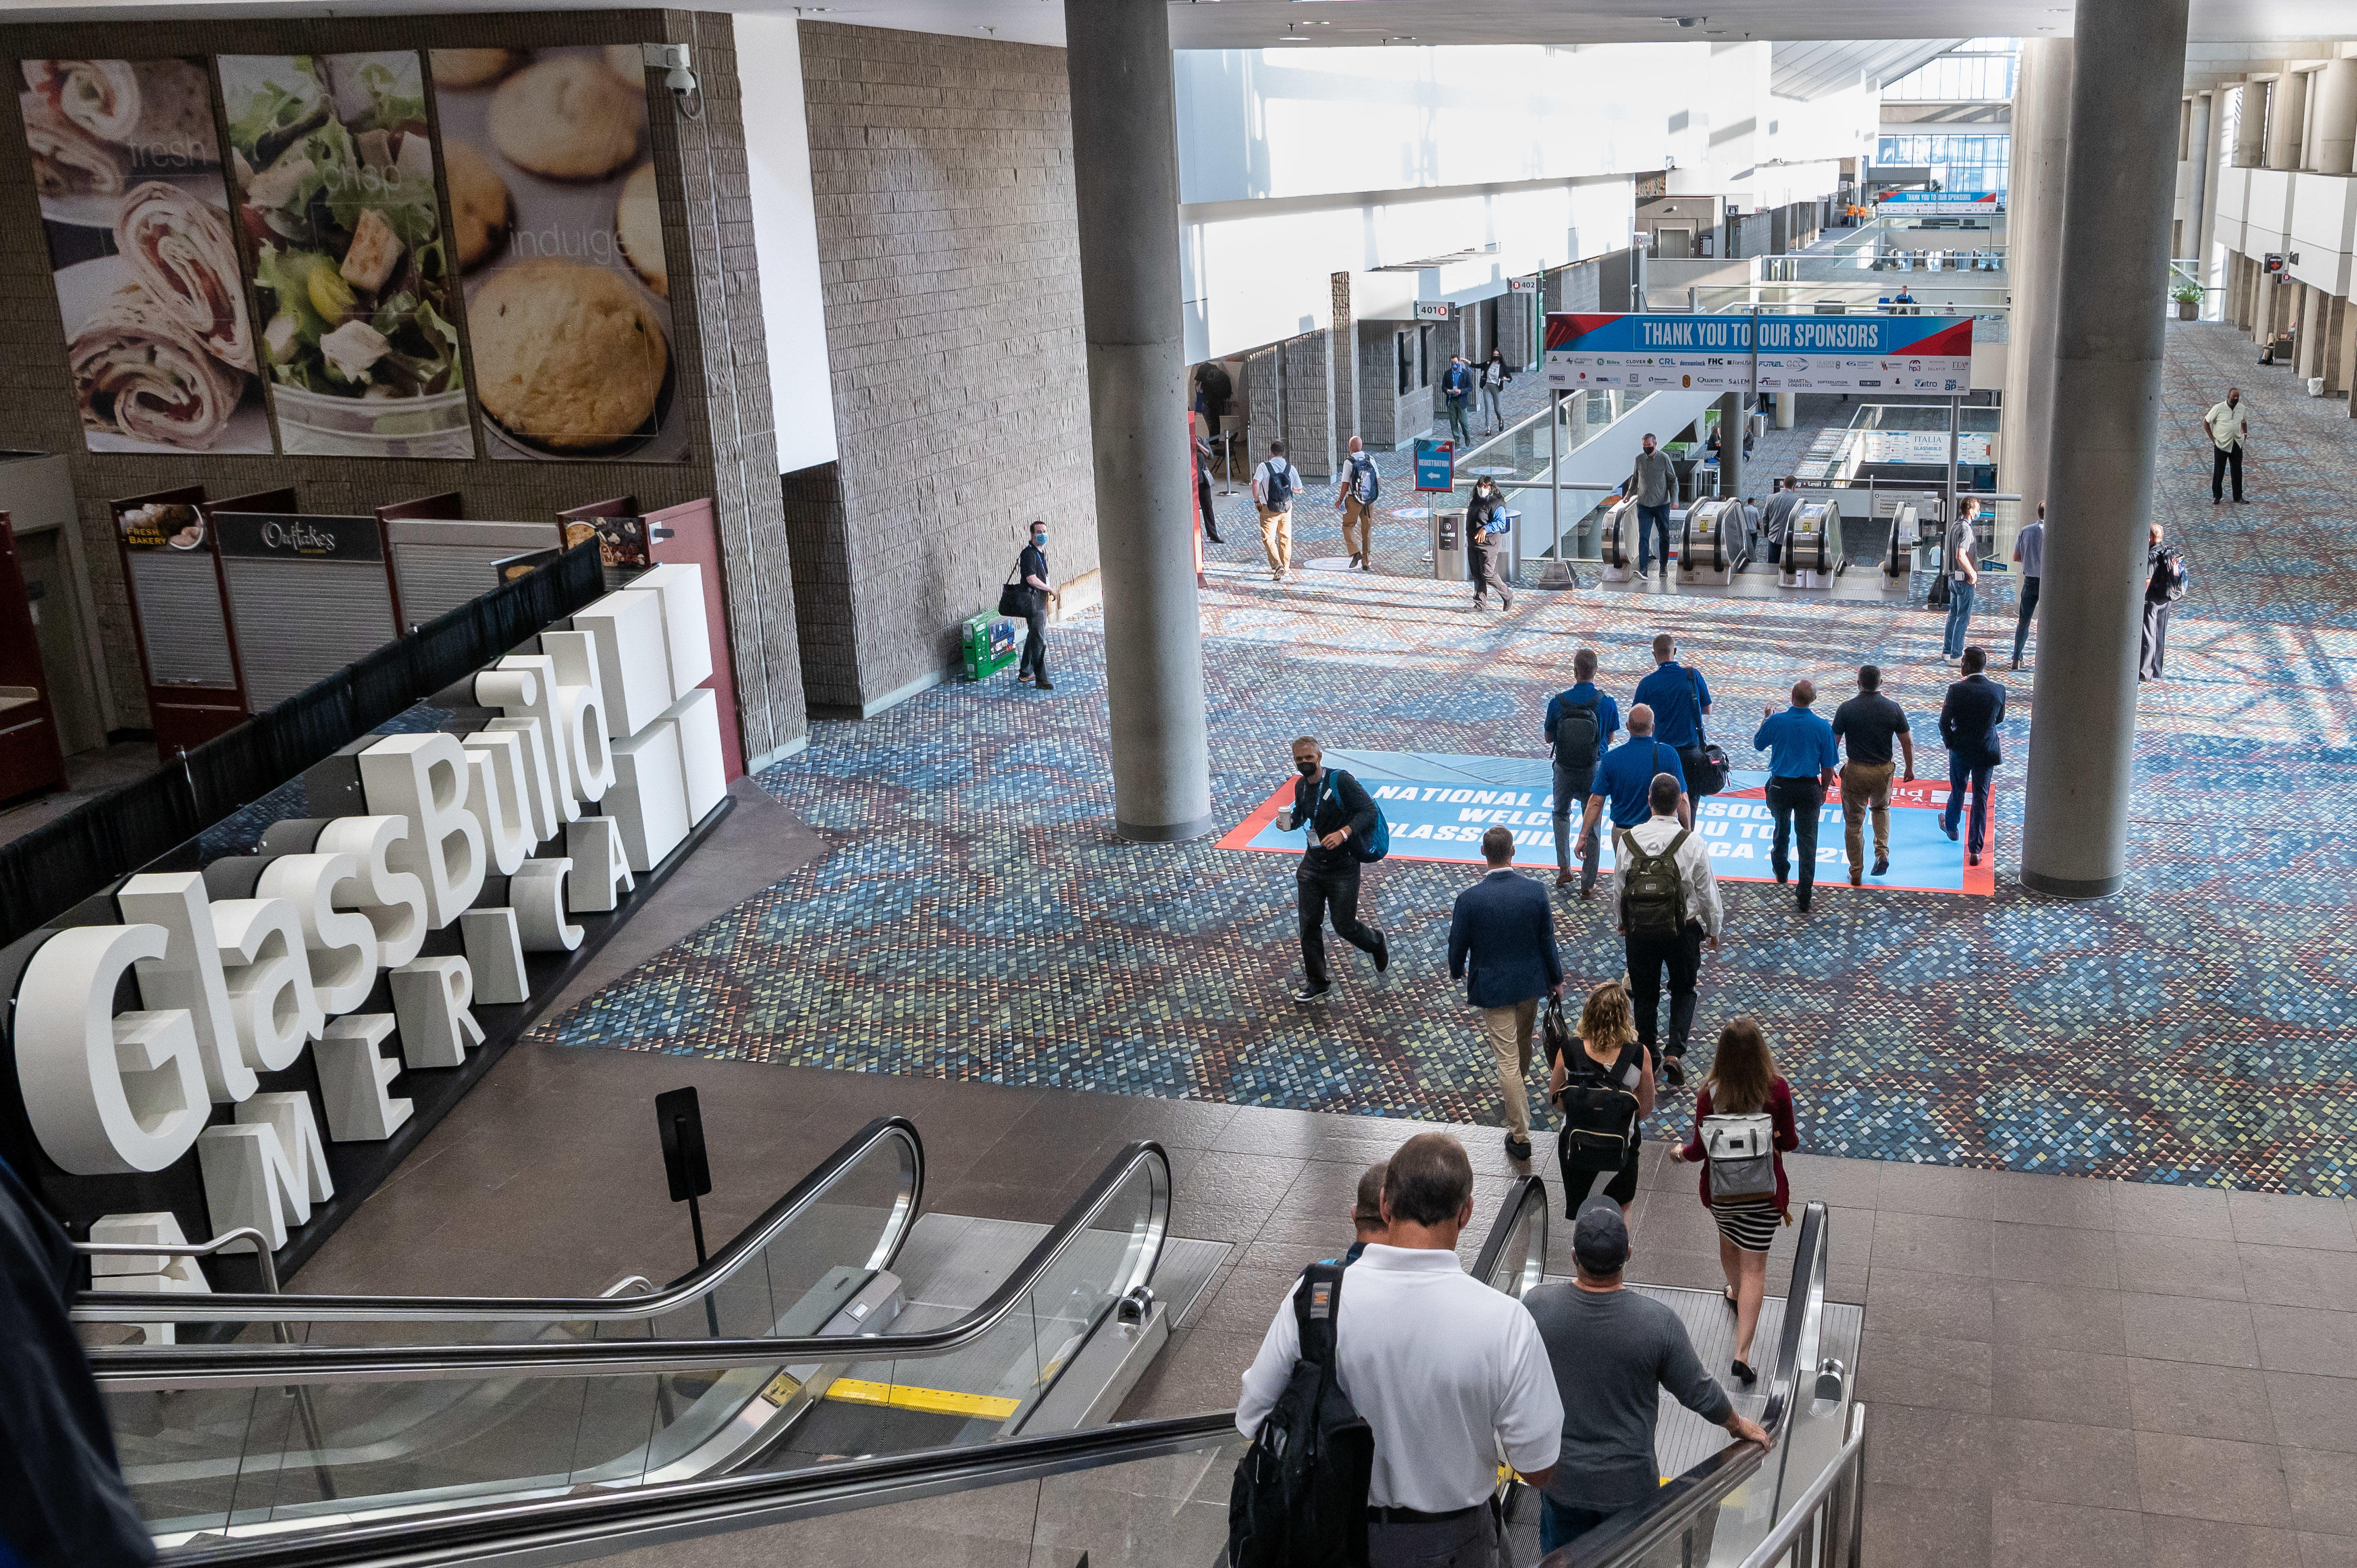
column 1882, row 865
column 1313, row 992
column 1517, row 1148
column 1382, row 953
column 1024, row 679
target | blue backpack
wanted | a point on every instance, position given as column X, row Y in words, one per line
column 1379, row 843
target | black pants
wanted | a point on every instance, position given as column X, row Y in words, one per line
column 1963, row 775
column 1795, row 804
column 2023, row 616
column 1571, row 788
column 1683, row 954
column 2221, row 459
column 1203, row 497
column 1325, row 889
column 1035, row 647
column 2154, row 644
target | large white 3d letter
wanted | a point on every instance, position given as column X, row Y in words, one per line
column 289, row 1115
column 107, row 1094
column 540, row 787
column 537, row 895
column 524, row 688
column 495, row 796
column 430, row 998
column 269, row 975
column 250, row 1182
column 187, row 973
column 581, row 713
column 353, row 1078
column 423, row 779
column 393, row 901
column 633, row 662
column 343, row 942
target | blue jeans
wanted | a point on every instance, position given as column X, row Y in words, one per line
column 1560, row 1526
column 1976, row 774
column 1960, row 619
column 1650, row 518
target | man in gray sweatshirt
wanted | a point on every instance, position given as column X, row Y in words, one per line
column 1613, row 1352
column 1657, row 487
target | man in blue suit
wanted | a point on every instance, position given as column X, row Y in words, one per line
column 1501, row 944
column 1969, row 720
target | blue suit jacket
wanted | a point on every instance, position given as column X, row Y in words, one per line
column 1502, row 931
column 1969, row 720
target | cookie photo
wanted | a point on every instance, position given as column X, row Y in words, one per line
column 459, row 69
column 628, row 61
column 638, row 224
column 567, row 357
column 480, row 208
column 569, row 118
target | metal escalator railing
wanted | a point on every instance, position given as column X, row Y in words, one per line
column 888, row 1152
column 256, row 1438
column 1149, row 1494
column 1678, row 1525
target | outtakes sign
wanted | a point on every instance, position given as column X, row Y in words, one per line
column 359, row 945
column 1907, row 354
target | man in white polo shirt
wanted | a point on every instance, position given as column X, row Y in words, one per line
column 1448, row 1373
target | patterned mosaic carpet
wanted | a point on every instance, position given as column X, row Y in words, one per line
column 975, row 918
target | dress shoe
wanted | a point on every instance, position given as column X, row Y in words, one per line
column 1563, row 879
column 1313, row 992
column 1673, row 1069
column 1973, row 858
column 1045, row 685
column 1882, row 865
column 1517, row 1148
column 1857, row 877
column 1801, row 905
column 1949, row 829
column 1382, row 953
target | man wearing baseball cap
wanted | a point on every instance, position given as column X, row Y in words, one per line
column 1614, row 1352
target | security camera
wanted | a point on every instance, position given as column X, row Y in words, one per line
column 672, row 60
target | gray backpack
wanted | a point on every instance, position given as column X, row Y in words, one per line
column 1742, row 1151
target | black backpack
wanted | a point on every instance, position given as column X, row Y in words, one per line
column 1599, row 1119
column 1578, row 735
column 1653, row 892
column 1300, row 1494
column 1279, row 488
column 2168, row 585
column 1366, row 480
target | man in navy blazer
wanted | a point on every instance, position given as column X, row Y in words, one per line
column 1968, row 727
column 1501, row 944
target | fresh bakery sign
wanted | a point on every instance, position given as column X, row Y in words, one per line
column 606, row 750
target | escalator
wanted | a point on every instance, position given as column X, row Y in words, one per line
column 842, row 1323
column 1147, row 1493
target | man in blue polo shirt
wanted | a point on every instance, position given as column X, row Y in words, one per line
column 1624, row 780
column 1678, row 695
column 1800, row 767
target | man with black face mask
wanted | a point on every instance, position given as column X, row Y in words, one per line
column 1333, row 807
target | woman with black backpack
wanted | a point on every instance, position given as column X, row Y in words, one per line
column 1743, row 1127
column 1605, row 1090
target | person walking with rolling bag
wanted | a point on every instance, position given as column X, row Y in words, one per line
column 1027, row 598
column 1743, row 1127
column 1604, row 1087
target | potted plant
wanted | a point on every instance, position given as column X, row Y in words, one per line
column 2189, row 300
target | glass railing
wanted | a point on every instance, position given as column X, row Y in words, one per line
column 1134, row 1494
column 509, row 1401
column 1513, row 1257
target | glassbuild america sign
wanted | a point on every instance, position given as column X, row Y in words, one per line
column 1881, row 354
column 284, row 1005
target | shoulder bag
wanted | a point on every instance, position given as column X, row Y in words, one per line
column 1704, row 764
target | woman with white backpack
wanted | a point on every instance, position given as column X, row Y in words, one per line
column 1743, row 1127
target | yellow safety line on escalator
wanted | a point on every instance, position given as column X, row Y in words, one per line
column 933, row 1401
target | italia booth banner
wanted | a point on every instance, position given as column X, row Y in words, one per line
column 1793, row 353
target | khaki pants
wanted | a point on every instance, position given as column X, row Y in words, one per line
column 1510, row 1041
column 1358, row 531
column 1864, row 784
column 1276, row 538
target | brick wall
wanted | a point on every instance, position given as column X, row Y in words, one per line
column 1388, row 418
column 700, row 175
column 949, row 272
column 1310, row 403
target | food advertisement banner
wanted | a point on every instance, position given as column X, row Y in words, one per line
column 1794, row 353
column 333, row 171
column 560, row 238
column 159, row 334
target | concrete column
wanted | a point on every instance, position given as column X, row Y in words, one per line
column 2250, row 135
column 2308, row 358
column 1730, row 445
column 2344, row 356
column 2034, row 219
column 1125, row 184
column 2332, row 347
column 1785, row 410
column 2197, row 148
column 2286, row 111
column 2118, row 188
column 2335, row 127
column 2205, row 207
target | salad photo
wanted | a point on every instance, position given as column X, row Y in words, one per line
column 332, row 171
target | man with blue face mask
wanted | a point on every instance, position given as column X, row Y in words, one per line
column 1034, row 573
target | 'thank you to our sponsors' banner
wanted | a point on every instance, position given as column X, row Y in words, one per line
column 1795, row 353
column 1938, row 203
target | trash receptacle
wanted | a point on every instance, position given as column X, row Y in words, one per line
column 1447, row 545
column 1510, row 546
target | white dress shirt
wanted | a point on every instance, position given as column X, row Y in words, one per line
column 1448, row 1373
column 1694, row 870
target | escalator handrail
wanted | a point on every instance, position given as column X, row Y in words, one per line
column 568, row 1527
column 128, row 1306
column 1531, row 1190
column 264, row 1366
column 1628, row 1537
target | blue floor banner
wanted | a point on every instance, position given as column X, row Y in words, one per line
column 1439, row 805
